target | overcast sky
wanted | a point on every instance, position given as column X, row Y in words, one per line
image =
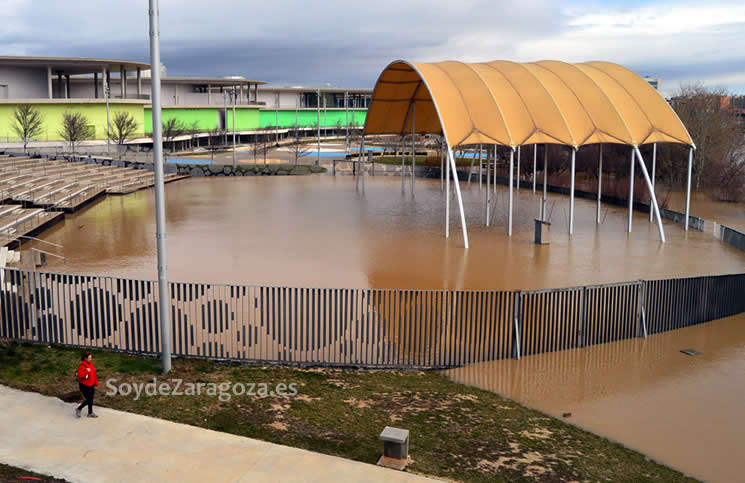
column 348, row 43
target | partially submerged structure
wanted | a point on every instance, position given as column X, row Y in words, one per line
column 517, row 104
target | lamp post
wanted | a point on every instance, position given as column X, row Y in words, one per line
column 232, row 94
column 160, row 209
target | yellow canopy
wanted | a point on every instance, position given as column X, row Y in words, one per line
column 512, row 104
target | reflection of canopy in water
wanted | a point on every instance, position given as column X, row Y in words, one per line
column 514, row 104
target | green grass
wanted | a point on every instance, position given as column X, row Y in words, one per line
column 457, row 432
column 11, row 473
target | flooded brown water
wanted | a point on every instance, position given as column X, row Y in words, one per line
column 684, row 411
column 321, row 231
column 724, row 213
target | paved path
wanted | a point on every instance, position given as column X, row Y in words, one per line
column 42, row 434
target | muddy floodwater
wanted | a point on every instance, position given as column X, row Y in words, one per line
column 685, row 411
column 323, row 231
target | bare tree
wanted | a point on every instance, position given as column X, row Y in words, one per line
column 28, row 123
column 75, row 128
column 172, row 128
column 212, row 146
column 123, row 127
column 713, row 128
column 299, row 148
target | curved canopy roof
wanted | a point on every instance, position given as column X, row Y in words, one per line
column 512, row 104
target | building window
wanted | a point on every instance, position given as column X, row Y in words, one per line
column 3, row 91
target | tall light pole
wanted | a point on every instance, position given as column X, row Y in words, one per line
column 160, row 207
column 233, row 96
column 106, row 91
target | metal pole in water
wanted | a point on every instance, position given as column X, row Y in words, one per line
column 545, row 182
column 160, row 209
column 495, row 169
column 688, row 185
column 481, row 172
column 460, row 198
column 600, row 184
column 652, row 196
column 447, row 194
column 413, row 141
column 535, row 163
column 442, row 162
column 571, row 192
column 509, row 209
column 518, row 169
column 488, row 187
column 654, row 170
column 631, row 191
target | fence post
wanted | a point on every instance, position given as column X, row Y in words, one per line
column 517, row 320
column 641, row 322
column 583, row 320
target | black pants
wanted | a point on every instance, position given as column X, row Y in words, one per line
column 88, row 395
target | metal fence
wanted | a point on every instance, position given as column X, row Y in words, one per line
column 351, row 327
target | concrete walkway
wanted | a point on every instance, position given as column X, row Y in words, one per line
column 42, row 434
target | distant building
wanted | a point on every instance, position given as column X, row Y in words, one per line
column 54, row 85
column 655, row 82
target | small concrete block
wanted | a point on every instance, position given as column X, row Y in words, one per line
column 542, row 232
column 395, row 442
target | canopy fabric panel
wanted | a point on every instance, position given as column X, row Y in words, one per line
column 513, row 104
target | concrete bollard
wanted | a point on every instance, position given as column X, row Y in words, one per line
column 542, row 232
column 395, row 448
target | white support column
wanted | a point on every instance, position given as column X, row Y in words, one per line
column 571, row 191
column 631, row 193
column 509, row 208
column 442, row 163
column 488, row 187
column 460, row 199
column 545, row 182
column 654, row 170
column 535, row 163
column 517, row 181
column 600, row 185
column 495, row 169
column 688, row 185
column 209, row 89
column 481, row 172
column 652, row 195
column 122, row 82
column 50, row 94
column 447, row 189
column 139, row 84
column 413, row 142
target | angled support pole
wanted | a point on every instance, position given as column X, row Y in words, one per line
column 654, row 171
column 458, row 194
column 652, row 196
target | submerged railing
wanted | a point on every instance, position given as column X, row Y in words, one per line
column 352, row 327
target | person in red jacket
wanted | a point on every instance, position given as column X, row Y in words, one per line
column 87, row 381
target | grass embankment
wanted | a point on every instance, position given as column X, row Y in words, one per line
column 11, row 473
column 457, row 432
